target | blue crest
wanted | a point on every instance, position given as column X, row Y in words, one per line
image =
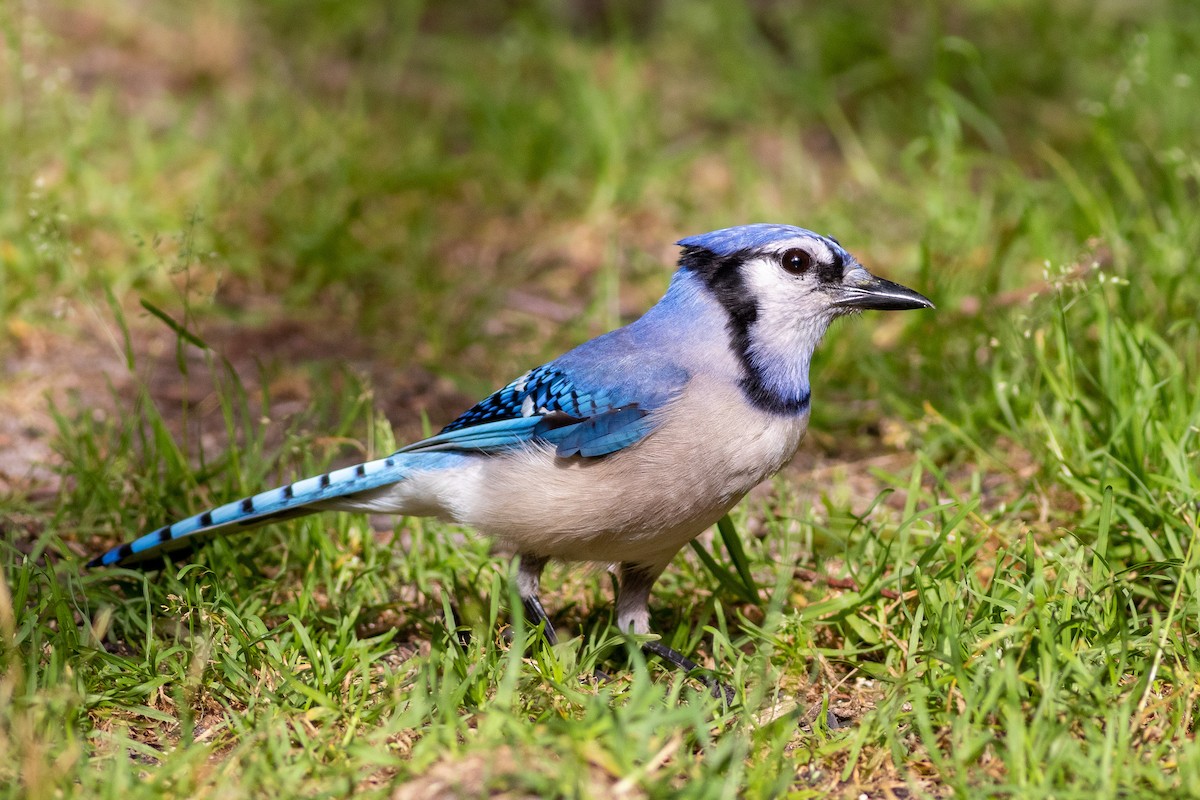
column 728, row 241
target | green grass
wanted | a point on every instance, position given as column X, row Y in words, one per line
column 979, row 580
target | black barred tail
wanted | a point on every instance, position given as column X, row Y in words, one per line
column 294, row 500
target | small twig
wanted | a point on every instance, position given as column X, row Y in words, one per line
column 629, row 783
column 848, row 584
column 972, row 305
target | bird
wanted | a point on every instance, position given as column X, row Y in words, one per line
column 622, row 450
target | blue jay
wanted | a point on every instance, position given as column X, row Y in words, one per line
column 627, row 447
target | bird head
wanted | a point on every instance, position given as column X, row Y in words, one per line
column 782, row 286
column 788, row 266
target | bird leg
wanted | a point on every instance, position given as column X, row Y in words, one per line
column 529, row 575
column 633, row 616
column 633, row 613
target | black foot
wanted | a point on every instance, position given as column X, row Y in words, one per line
column 535, row 614
column 682, row 662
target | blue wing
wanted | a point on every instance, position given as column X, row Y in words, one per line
column 546, row 404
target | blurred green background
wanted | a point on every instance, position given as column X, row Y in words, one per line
column 240, row 240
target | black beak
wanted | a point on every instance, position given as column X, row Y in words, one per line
column 862, row 290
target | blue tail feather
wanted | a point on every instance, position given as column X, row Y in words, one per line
column 292, row 500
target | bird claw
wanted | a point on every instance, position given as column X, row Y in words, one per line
column 681, row 662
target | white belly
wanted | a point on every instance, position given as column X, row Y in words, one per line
column 640, row 504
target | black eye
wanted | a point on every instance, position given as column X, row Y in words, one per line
column 796, row 260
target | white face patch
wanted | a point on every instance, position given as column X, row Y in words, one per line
column 800, row 296
column 793, row 310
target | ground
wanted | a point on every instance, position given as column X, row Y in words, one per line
column 242, row 242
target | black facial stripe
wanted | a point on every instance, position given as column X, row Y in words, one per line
column 762, row 397
column 831, row 273
column 723, row 277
